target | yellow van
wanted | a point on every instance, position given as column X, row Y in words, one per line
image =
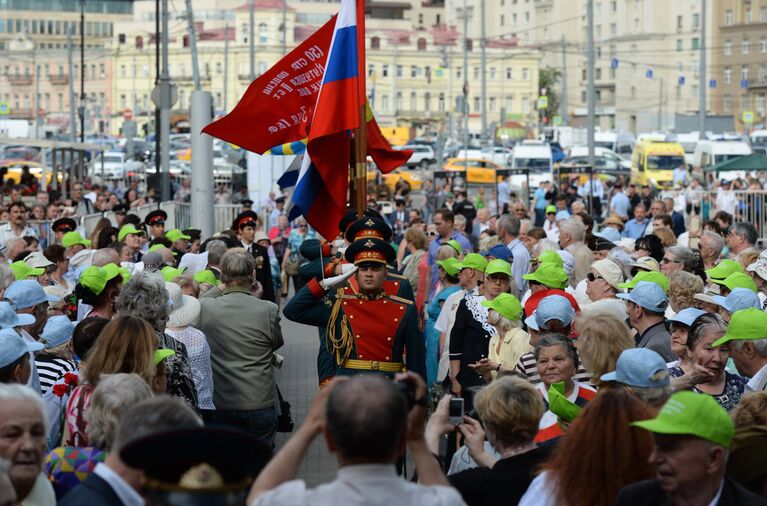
column 653, row 162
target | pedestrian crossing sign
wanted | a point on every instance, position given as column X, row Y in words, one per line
column 4, row 109
column 439, row 72
column 748, row 117
column 543, row 102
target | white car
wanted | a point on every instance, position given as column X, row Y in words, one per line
column 423, row 155
column 604, row 158
column 113, row 165
column 496, row 154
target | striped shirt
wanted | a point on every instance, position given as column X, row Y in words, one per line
column 548, row 427
column 50, row 368
column 527, row 368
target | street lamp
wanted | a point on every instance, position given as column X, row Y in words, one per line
column 82, row 71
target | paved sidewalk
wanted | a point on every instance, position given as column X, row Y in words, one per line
column 298, row 382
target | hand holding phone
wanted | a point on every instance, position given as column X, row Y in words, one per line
column 455, row 411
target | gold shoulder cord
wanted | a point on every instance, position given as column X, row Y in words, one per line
column 341, row 345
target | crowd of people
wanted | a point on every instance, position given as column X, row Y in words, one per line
column 539, row 356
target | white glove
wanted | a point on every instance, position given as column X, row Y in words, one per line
column 328, row 284
column 347, row 267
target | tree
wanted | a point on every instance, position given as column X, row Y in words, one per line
column 548, row 79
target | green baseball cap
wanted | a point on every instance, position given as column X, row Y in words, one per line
column 170, row 273
column 175, row 234
column 450, row 265
column 207, row 276
column 128, row 229
column 506, row 305
column 737, row 280
column 473, row 261
column 724, row 269
column 125, row 273
column 688, row 413
column 551, row 209
column 654, row 277
column 549, row 274
column 73, row 238
column 96, row 278
column 550, row 257
column 498, row 266
column 745, row 325
column 160, row 355
column 455, row 245
column 155, row 247
column 22, row 270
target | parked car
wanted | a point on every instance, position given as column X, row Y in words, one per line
column 113, row 166
column 423, row 155
column 605, row 160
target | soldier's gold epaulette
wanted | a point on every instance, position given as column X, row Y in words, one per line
column 401, row 300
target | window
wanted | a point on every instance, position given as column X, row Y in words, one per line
column 133, row 70
column 218, row 67
column 763, row 45
column 503, row 20
column 422, row 44
column 509, row 73
column 60, row 101
column 491, row 105
column 679, row 44
column 476, row 72
column 413, row 100
column 469, row 44
column 762, row 73
column 614, row 6
column 678, row 91
column 441, row 102
column 727, row 47
column 102, row 71
column 385, row 71
column 633, row 92
column 399, row 70
column 123, row 102
column 244, row 31
column 727, row 75
column 598, row 96
column 477, row 104
column 413, row 71
column 695, row 43
column 613, row 29
column 427, row 101
column 694, row 90
column 744, row 73
column 261, row 67
column 509, row 102
column 525, row 74
column 744, row 46
column 263, row 33
column 749, row 15
column 679, row 23
column 385, row 103
column 696, row 21
column 744, row 102
column 598, row 32
column 759, row 106
column 492, row 72
column 597, row 73
column 398, row 104
column 123, row 71
column 763, row 14
column 728, row 17
column 597, row 8
column 371, row 70
column 375, row 43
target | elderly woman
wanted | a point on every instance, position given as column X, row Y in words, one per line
column 23, row 430
column 415, row 265
column 682, row 288
column 557, row 362
column 602, row 337
column 724, row 387
column 602, row 288
column 509, row 409
column 509, row 342
column 144, row 296
column 680, row 258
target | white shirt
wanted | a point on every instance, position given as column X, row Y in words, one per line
column 726, row 201
column 366, row 484
column 7, row 233
column 121, row 488
column 759, row 382
column 541, row 492
column 42, row 493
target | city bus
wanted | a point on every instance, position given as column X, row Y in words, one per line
column 653, row 162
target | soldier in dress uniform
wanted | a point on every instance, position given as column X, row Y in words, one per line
column 155, row 222
column 245, row 225
column 367, row 329
column 61, row 227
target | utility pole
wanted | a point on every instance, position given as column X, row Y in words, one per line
column 563, row 99
column 192, row 44
column 251, row 41
column 70, row 71
column 702, row 70
column 157, row 144
column 165, row 97
column 226, row 66
column 82, row 72
column 660, row 106
column 465, row 79
column 483, row 43
column 38, row 119
column 590, row 95
column 284, row 27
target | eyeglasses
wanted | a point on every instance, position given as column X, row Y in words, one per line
column 593, row 277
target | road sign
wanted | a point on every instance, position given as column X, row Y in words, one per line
column 156, row 95
column 41, row 112
column 543, row 102
column 744, row 83
column 128, row 114
column 4, row 108
column 556, row 120
column 748, row 117
column 712, row 83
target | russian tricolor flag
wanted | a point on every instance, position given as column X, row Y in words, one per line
column 323, row 181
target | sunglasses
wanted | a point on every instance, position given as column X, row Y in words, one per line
column 665, row 260
column 593, row 277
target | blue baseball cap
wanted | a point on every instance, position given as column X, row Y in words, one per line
column 26, row 293
column 57, row 331
column 498, row 251
column 636, row 367
column 13, row 347
column 9, row 318
column 737, row 299
column 648, row 295
column 554, row 307
column 686, row 316
column 531, row 323
column 609, row 233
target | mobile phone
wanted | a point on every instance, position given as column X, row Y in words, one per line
column 455, row 411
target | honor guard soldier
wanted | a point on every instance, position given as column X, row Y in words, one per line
column 155, row 221
column 62, row 226
column 245, row 225
column 367, row 329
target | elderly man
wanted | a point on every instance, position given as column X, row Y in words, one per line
column 747, row 335
column 741, row 239
column 572, row 233
column 216, row 250
column 23, row 444
column 82, row 204
column 17, row 227
column 635, row 227
column 508, row 233
column 692, row 435
column 367, row 422
column 113, row 483
column 243, row 332
column 646, row 307
column 710, row 246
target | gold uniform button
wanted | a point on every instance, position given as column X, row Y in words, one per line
column 402, row 307
column 387, row 359
column 360, row 355
column 344, row 303
column 351, row 316
column 357, row 336
column 396, row 319
column 388, row 338
column 375, row 365
column 384, row 302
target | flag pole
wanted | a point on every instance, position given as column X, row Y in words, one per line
column 359, row 171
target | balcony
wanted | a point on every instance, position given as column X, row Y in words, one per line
column 188, row 79
column 59, row 79
column 20, row 80
column 21, row 114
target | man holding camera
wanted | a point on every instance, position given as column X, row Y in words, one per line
column 367, row 422
column 368, row 329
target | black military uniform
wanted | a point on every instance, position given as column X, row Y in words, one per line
column 260, row 254
column 62, row 226
column 156, row 218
